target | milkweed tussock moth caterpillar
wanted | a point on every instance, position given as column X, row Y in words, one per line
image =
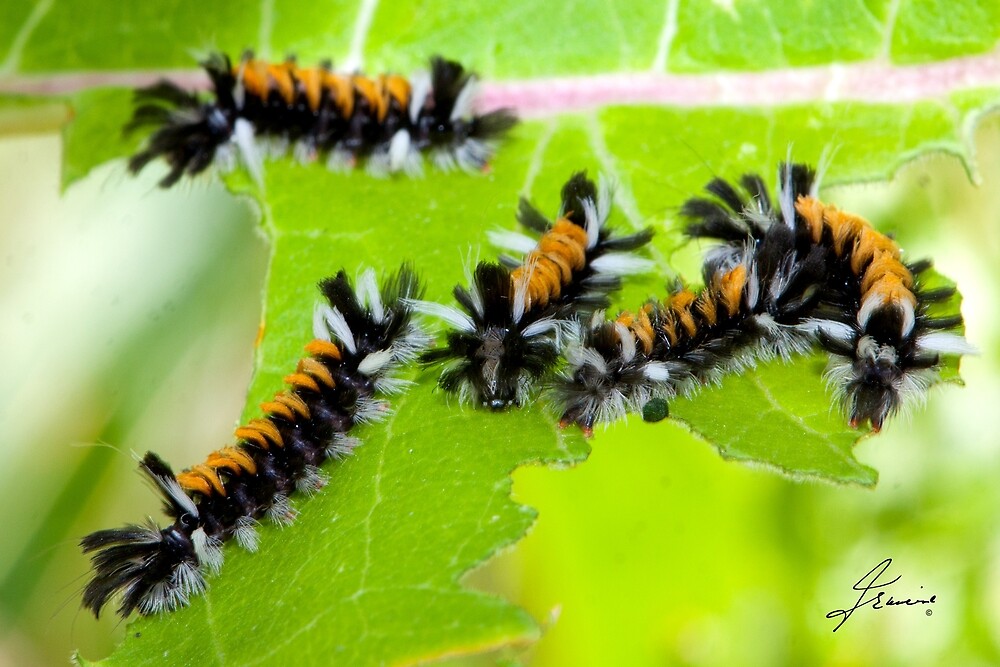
column 257, row 108
column 508, row 332
column 363, row 335
column 783, row 279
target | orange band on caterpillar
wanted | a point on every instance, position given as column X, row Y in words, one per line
column 363, row 335
column 508, row 334
column 387, row 120
column 787, row 278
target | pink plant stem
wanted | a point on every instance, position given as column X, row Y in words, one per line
column 874, row 82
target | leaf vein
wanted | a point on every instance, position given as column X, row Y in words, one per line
column 890, row 28
column 13, row 58
column 623, row 193
column 265, row 28
column 780, row 409
column 362, row 26
column 667, row 35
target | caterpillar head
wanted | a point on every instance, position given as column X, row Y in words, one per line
column 877, row 376
column 874, row 390
column 154, row 570
column 864, row 373
column 494, row 366
column 607, row 377
column 495, row 353
column 188, row 133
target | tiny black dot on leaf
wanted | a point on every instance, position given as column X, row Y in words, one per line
column 655, row 410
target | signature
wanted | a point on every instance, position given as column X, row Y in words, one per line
column 869, row 584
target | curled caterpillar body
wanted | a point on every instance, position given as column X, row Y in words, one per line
column 886, row 348
column 362, row 337
column 509, row 332
column 388, row 119
column 785, row 277
column 872, row 312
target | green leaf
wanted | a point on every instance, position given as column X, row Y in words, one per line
column 759, row 35
column 425, row 482
column 368, row 573
column 378, row 553
column 502, row 39
column 778, row 416
column 96, row 134
column 371, row 571
column 936, row 29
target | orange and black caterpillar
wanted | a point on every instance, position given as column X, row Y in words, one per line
column 509, row 334
column 784, row 279
column 387, row 119
column 362, row 337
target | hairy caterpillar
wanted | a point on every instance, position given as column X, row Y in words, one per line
column 508, row 334
column 784, row 279
column 387, row 119
column 362, row 337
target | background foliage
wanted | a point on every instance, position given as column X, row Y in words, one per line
column 132, row 316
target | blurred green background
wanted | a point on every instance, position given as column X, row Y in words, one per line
column 120, row 337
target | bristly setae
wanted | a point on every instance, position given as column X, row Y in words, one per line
column 257, row 107
column 783, row 279
column 508, row 333
column 362, row 336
